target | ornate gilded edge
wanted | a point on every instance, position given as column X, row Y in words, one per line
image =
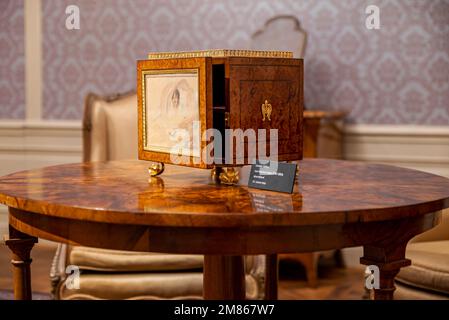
column 220, row 53
column 144, row 100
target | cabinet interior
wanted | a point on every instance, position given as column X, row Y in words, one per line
column 220, row 104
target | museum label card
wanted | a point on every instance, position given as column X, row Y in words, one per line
column 273, row 176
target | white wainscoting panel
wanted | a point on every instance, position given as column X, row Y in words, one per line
column 423, row 148
column 27, row 145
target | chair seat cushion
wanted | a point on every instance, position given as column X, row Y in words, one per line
column 430, row 266
column 406, row 292
column 95, row 259
column 172, row 285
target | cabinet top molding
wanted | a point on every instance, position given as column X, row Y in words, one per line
column 221, row 53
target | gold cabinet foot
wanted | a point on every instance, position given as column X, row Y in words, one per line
column 225, row 175
column 156, row 168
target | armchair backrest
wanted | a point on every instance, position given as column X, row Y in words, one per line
column 281, row 33
column 110, row 127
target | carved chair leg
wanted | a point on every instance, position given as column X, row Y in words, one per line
column 309, row 260
column 20, row 245
column 338, row 258
column 271, row 276
column 311, row 266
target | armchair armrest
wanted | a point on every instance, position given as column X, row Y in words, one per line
column 57, row 269
column 440, row 232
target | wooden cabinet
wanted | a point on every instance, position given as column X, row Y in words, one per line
column 274, row 82
column 253, row 90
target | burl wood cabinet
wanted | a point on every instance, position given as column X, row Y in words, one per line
column 224, row 89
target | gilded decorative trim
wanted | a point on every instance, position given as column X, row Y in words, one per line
column 220, row 53
column 144, row 101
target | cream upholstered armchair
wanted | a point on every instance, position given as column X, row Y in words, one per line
column 428, row 276
column 282, row 32
column 110, row 133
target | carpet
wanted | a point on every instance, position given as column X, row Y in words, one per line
column 9, row 295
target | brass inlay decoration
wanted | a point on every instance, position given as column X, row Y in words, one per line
column 156, row 168
column 221, row 53
column 266, row 109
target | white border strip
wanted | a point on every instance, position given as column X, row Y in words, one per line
column 33, row 59
column 396, row 130
column 36, row 124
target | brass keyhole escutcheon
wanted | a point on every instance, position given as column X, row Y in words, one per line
column 266, row 109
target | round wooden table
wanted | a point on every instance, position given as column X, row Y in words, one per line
column 335, row 204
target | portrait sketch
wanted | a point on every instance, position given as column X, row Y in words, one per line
column 171, row 108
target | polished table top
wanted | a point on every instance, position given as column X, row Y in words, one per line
column 327, row 192
column 335, row 204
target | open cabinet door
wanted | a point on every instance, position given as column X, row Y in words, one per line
column 174, row 110
column 268, row 94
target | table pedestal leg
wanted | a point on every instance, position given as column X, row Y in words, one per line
column 389, row 261
column 224, row 277
column 20, row 245
column 271, row 276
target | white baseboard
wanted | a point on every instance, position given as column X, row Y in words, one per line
column 423, row 148
column 27, row 145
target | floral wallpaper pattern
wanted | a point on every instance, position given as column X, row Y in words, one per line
column 398, row 74
column 12, row 60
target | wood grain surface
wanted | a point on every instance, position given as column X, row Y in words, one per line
column 327, row 192
column 335, row 204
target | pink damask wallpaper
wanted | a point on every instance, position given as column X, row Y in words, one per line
column 396, row 75
column 12, row 60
